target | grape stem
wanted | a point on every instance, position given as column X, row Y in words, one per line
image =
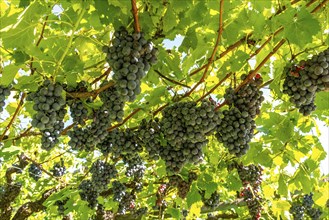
column 134, row 11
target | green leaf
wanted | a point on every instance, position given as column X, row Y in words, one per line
column 8, row 75
column 283, row 188
column 169, row 20
column 175, row 213
column 301, row 28
column 27, row 83
column 193, row 196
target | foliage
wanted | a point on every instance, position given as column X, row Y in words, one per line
column 62, row 53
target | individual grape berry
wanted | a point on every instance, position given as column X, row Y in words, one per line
column 35, row 172
column 130, row 57
column 58, row 169
column 4, row 93
column 102, row 173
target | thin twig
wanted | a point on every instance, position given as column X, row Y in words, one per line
column 215, row 87
column 220, row 31
column 266, row 42
column 40, row 167
column 310, row 3
column 171, row 80
column 92, row 93
column 53, row 158
column 252, row 74
column 20, row 104
column 94, row 65
column 125, row 120
column 105, row 74
column 318, row 8
column 134, row 11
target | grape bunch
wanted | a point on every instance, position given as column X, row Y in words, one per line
column 211, row 202
column 237, row 127
column 130, row 57
column 250, row 174
column 140, row 212
column 86, row 138
column 305, row 205
column 113, row 101
column 79, row 112
column 50, row 107
column 88, row 193
column 236, row 131
column 102, row 214
column 35, row 172
column 59, row 169
column 134, row 166
column 119, row 190
column 102, row 173
column 182, row 185
column 120, row 142
column 253, row 201
column 4, row 92
column 150, row 137
column 305, row 79
column 185, row 127
column 297, row 211
column 127, row 203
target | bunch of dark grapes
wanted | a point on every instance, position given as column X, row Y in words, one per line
column 119, row 190
column 211, row 202
column 4, row 92
column 134, row 166
column 95, row 133
column 130, row 57
column 102, row 214
column 150, row 137
column 303, row 206
column 185, row 127
column 192, row 176
column 237, row 127
column 183, row 186
column 61, row 206
column 297, row 210
column 127, row 203
column 88, row 193
column 102, row 173
column 79, row 111
column 120, row 142
column 236, row 131
column 59, row 169
column 314, row 213
column 113, row 101
column 250, row 175
column 50, row 106
column 35, row 172
column 253, row 201
column 140, row 212
column 305, row 79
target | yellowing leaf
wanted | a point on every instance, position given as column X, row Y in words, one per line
column 195, row 210
column 279, row 207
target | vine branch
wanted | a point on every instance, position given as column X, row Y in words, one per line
column 211, row 59
column 171, row 80
column 125, row 120
column 134, row 11
column 318, row 8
